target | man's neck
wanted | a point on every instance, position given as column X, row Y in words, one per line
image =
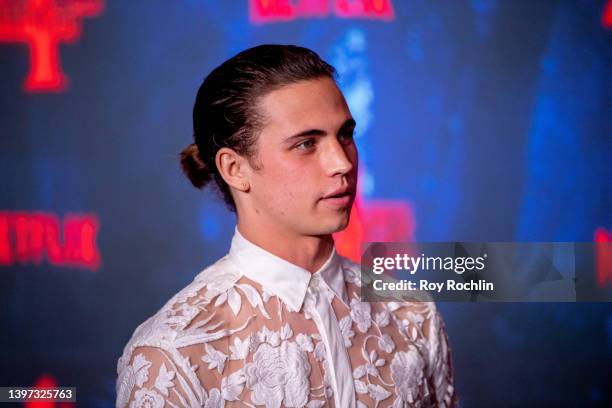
column 307, row 252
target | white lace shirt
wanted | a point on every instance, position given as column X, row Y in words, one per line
column 255, row 330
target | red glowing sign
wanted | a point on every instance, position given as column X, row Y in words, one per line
column 606, row 17
column 375, row 221
column 46, row 381
column 269, row 11
column 603, row 256
column 28, row 237
column 42, row 25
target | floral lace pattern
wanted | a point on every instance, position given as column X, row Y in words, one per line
column 225, row 340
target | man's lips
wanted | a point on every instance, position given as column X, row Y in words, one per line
column 340, row 197
column 339, row 192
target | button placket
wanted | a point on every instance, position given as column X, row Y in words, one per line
column 340, row 369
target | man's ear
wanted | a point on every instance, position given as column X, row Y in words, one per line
column 234, row 168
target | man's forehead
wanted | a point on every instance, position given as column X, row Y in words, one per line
column 306, row 103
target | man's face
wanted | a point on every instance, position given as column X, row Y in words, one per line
column 308, row 158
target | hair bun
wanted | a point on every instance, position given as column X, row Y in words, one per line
column 194, row 167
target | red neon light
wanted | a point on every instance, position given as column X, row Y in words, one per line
column 28, row 237
column 269, row 11
column 262, row 11
column 606, row 17
column 389, row 221
column 46, row 381
column 374, row 9
column 375, row 221
column 42, row 25
column 603, row 256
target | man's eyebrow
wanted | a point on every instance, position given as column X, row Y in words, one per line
column 348, row 124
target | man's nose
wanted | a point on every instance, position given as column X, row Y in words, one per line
column 336, row 160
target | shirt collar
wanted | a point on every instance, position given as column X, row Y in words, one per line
column 282, row 278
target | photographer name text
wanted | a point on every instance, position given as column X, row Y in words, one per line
column 480, row 285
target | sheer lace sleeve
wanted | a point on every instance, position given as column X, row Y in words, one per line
column 439, row 367
column 155, row 380
column 428, row 359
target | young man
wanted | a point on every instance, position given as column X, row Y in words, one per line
column 278, row 320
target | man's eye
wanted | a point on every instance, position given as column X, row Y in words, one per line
column 347, row 137
column 305, row 145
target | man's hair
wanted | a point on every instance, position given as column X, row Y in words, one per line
column 225, row 111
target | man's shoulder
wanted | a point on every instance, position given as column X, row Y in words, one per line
column 167, row 328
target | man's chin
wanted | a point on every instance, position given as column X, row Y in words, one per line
column 337, row 225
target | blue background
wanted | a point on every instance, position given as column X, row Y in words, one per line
column 492, row 118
